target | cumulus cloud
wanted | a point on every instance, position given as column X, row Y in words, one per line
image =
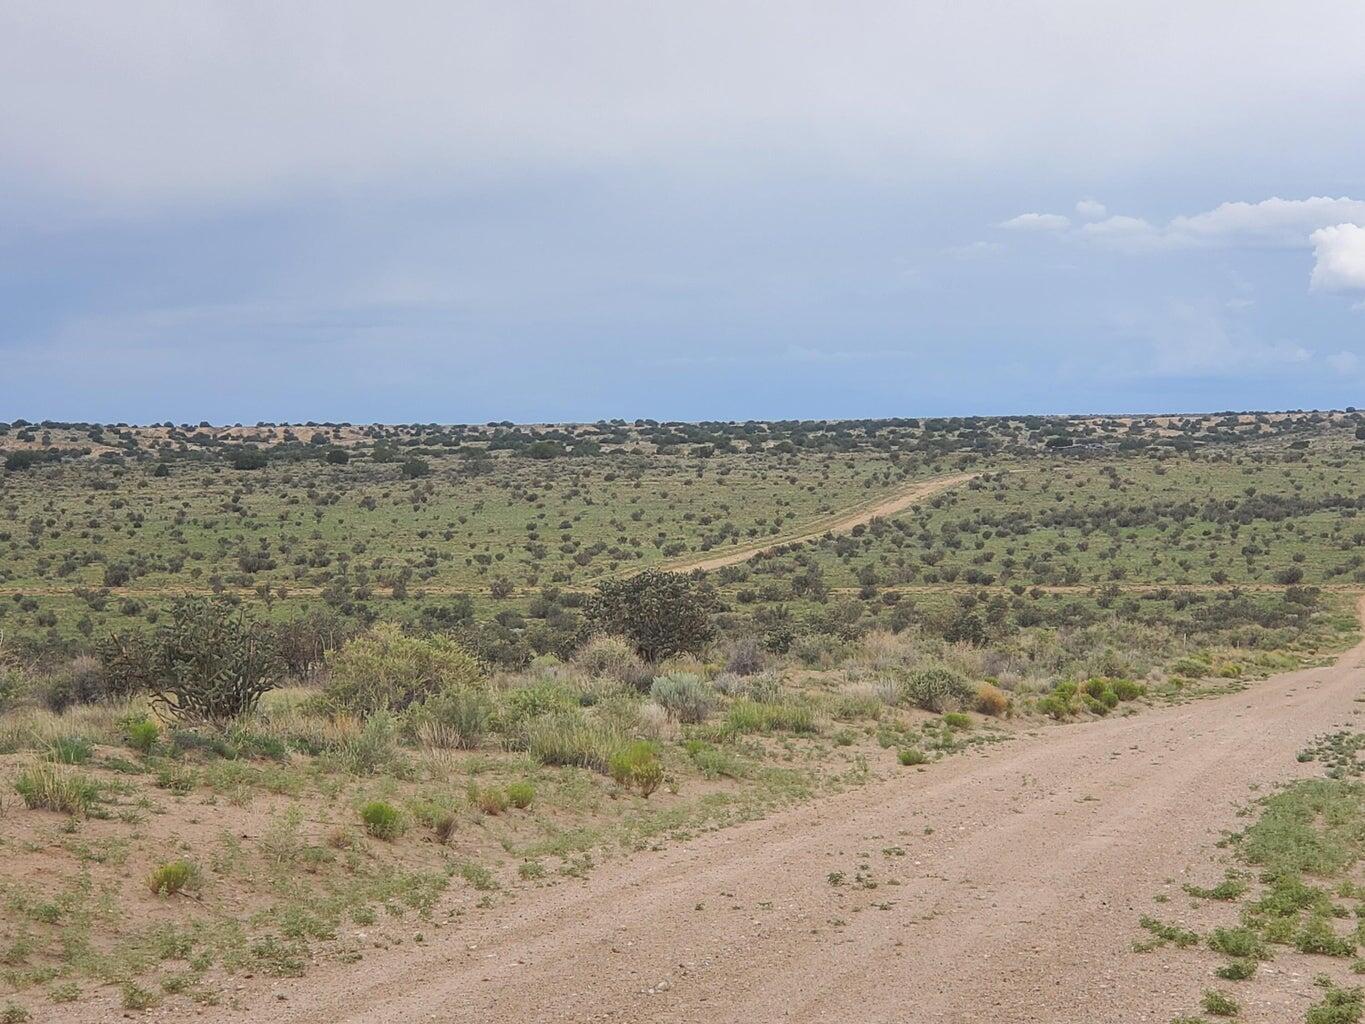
column 1274, row 221
column 1091, row 209
column 1339, row 253
column 1123, row 231
column 1037, row 222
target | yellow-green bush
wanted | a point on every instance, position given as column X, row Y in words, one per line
column 387, row 669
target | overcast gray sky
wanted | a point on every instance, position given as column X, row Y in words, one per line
column 534, row 211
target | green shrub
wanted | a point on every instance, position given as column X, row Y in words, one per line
column 610, row 656
column 1338, row 1006
column 1237, row 942
column 912, row 756
column 684, row 696
column 520, row 794
column 938, row 690
column 637, row 765
column 382, row 820
column 173, row 877
column 385, row 669
column 957, row 720
column 46, row 786
column 1318, row 936
column 523, row 704
column 141, row 734
column 1127, row 690
column 660, row 613
column 1236, row 970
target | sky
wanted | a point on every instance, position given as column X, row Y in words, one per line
column 546, row 211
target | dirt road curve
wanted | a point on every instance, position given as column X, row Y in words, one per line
column 841, row 523
column 1019, row 906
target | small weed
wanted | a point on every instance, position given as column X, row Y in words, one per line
column 1219, row 1004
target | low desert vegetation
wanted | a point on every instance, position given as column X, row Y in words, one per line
column 271, row 707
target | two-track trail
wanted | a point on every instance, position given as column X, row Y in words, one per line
column 838, row 522
column 1022, row 872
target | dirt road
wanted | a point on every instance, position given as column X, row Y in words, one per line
column 840, row 522
column 1008, row 888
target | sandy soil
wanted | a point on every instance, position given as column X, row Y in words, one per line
column 841, row 522
column 1021, row 874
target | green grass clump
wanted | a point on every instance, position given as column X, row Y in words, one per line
column 520, row 794
column 912, row 756
column 957, row 720
column 749, row 716
column 13, row 1013
column 71, row 750
column 173, row 877
column 382, row 820
column 46, row 786
column 1219, row 1004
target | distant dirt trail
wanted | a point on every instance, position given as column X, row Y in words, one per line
column 840, row 523
column 1023, row 874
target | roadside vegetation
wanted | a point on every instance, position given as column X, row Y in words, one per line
column 1293, row 899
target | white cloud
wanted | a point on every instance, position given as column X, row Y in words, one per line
column 1339, row 253
column 1123, row 231
column 1274, row 221
column 1037, row 222
column 1091, row 209
column 1287, row 223
column 1334, row 227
